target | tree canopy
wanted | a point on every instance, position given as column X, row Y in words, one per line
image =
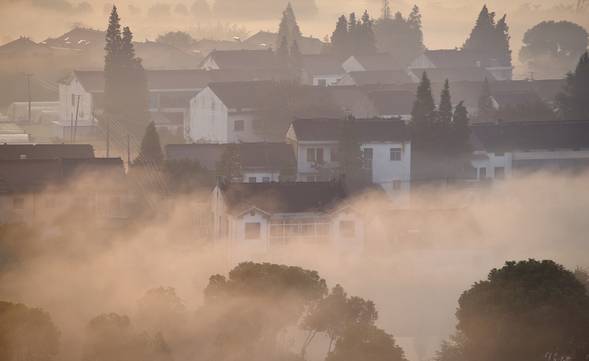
column 490, row 40
column 353, row 37
column 151, row 148
column 527, row 310
column 400, row 36
column 27, row 333
column 573, row 101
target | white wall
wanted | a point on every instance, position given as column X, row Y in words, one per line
column 493, row 162
column 330, row 80
column 351, row 64
column 208, row 118
column 67, row 109
column 390, row 174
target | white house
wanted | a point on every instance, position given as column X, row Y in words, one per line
column 515, row 148
column 254, row 218
column 321, row 70
column 385, row 144
column 227, row 112
column 257, row 162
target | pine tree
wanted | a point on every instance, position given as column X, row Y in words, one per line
column 573, row 101
column 151, row 149
column 112, row 72
column 296, row 60
column 230, row 164
column 503, row 38
column 423, row 116
column 134, row 111
column 486, row 107
column 349, row 151
column 282, row 52
column 445, row 107
column 460, row 139
column 340, row 38
column 366, row 39
column 288, row 28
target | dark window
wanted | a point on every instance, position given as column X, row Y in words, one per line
column 367, row 158
column 482, row 173
column 253, row 230
column 499, row 172
column 252, row 180
column 239, row 125
column 315, row 155
column 395, row 154
column 322, row 82
column 347, row 229
column 266, row 179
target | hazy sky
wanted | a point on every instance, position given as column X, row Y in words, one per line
column 446, row 23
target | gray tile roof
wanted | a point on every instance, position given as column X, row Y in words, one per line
column 367, row 130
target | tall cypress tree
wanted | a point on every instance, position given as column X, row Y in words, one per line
column 112, row 72
column 288, row 27
column 366, row 39
column 573, row 101
column 296, row 60
column 282, row 52
column 423, row 116
column 460, row 135
column 445, row 107
column 340, row 38
column 151, row 148
column 502, row 43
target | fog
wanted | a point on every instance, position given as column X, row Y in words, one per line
column 442, row 27
column 415, row 278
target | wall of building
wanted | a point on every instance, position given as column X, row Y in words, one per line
column 394, row 176
column 208, row 118
column 260, row 176
column 68, row 104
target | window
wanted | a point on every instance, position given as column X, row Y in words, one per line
column 315, row 155
column 395, row 154
column 499, row 172
column 18, row 203
column 482, row 173
column 334, row 155
column 347, row 229
column 252, row 180
column 239, row 125
column 266, row 179
column 367, row 154
column 253, row 231
column 397, row 184
column 322, row 82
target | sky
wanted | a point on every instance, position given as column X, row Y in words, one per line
column 446, row 23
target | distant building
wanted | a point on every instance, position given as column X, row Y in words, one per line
column 239, row 60
column 508, row 149
column 39, row 190
column 254, row 218
column 46, row 151
column 376, row 77
column 268, row 40
column 374, row 62
column 258, row 162
column 11, row 133
column 41, row 112
column 460, row 59
column 385, row 144
column 321, row 70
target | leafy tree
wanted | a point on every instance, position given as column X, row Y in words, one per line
column 27, row 333
column 486, row 106
column 527, row 310
column 368, row 343
column 179, row 39
column 490, row 40
column 111, row 337
column 187, row 176
column 259, row 301
column 161, row 310
column 573, row 101
column 400, row 36
column 151, row 149
column 553, row 47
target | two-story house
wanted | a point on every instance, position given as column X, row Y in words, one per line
column 385, row 144
column 254, row 218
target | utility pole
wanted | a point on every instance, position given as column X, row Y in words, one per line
column 76, row 123
column 28, row 80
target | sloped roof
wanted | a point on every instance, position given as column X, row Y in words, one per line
column 244, row 59
column 367, row 130
column 392, row 102
column 439, row 75
column 274, row 156
column 539, row 135
column 322, row 64
column 516, row 98
column 380, row 61
column 452, row 58
column 20, row 45
column 78, row 38
column 190, row 79
column 283, row 197
column 266, row 39
column 243, row 95
column 46, row 151
column 380, row 77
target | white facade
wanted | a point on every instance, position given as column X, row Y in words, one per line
column 326, row 79
column 211, row 121
column 68, row 103
column 260, row 176
column 352, row 64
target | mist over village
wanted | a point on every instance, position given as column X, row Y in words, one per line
column 303, row 180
